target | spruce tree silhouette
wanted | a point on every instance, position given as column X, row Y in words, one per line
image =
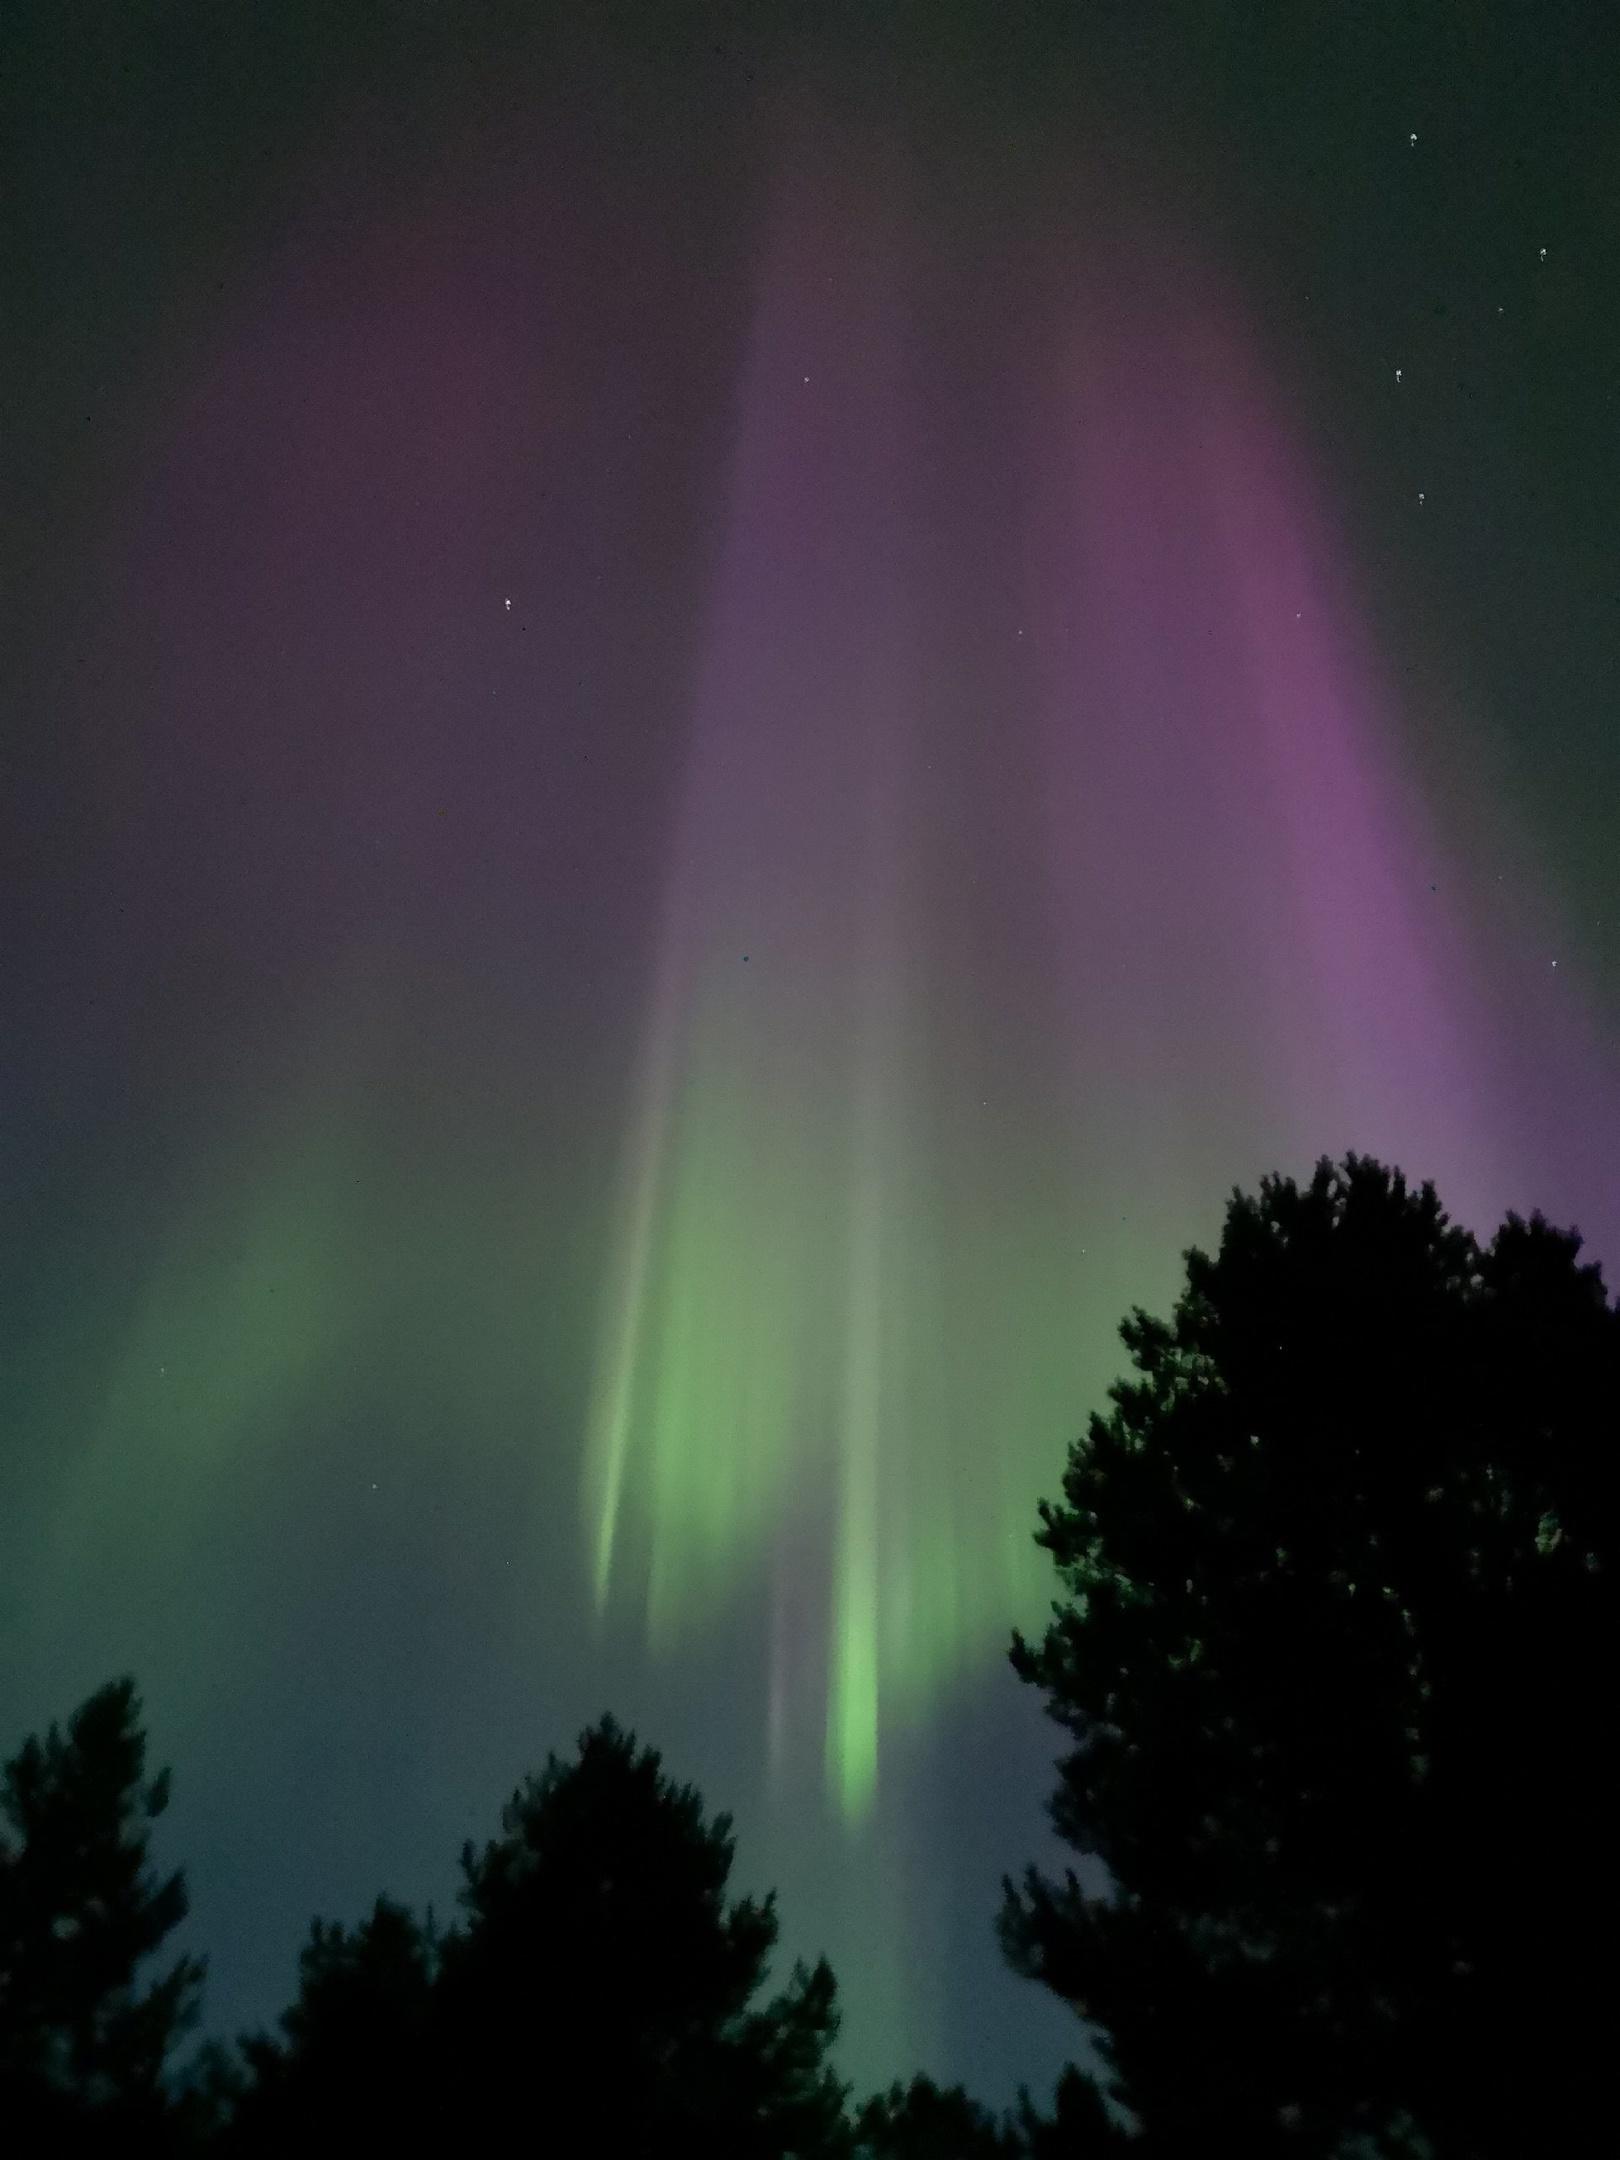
column 1336, row 1569
column 597, row 1996
column 83, row 2045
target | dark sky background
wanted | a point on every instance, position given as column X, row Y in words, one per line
column 708, row 714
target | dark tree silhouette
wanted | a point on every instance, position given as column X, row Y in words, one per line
column 1337, row 1566
column 353, row 2068
column 1078, row 2128
column 925, row 2121
column 598, row 1995
column 83, row 2045
column 598, row 1931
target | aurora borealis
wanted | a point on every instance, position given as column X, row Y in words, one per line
column 713, row 723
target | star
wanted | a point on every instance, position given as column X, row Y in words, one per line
column 508, row 607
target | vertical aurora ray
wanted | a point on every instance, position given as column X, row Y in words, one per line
column 748, row 1330
column 1280, row 933
column 870, row 1403
column 852, row 1720
column 609, row 1439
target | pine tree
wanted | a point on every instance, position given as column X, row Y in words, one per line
column 925, row 2121
column 352, row 2068
column 83, row 2043
column 1336, row 1570
column 601, row 1975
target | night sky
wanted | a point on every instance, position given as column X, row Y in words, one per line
column 708, row 714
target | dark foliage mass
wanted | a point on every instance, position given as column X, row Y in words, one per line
column 598, row 1979
column 1337, row 1571
column 83, row 2045
column 925, row 2121
column 1336, row 1574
